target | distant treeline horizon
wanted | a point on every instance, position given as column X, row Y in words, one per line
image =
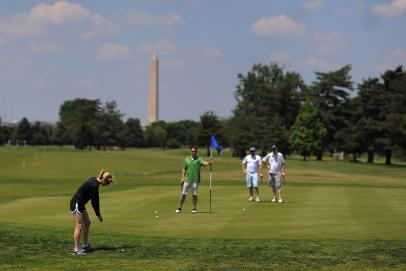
column 274, row 106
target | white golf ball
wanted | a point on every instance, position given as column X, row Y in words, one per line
column 156, row 212
column 243, row 209
column 156, row 216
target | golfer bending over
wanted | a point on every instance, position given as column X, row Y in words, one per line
column 190, row 177
column 276, row 165
column 89, row 190
column 251, row 165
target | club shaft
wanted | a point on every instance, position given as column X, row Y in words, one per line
column 111, row 238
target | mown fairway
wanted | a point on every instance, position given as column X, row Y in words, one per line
column 339, row 215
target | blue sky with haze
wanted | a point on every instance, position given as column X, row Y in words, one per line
column 52, row 51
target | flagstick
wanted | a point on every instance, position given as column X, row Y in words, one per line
column 211, row 157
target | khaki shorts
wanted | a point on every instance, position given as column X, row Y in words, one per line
column 190, row 187
column 275, row 180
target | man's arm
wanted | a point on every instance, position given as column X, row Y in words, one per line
column 244, row 169
column 205, row 163
column 260, row 168
column 182, row 176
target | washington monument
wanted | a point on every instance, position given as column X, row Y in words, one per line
column 153, row 90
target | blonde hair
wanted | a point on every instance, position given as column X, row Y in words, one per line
column 106, row 174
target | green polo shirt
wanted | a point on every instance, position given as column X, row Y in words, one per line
column 192, row 168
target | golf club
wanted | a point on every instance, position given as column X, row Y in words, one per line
column 284, row 188
column 114, row 243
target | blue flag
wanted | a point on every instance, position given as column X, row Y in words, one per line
column 214, row 144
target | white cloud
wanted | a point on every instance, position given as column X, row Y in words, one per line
column 395, row 58
column 100, row 26
column 329, row 42
column 43, row 17
column 147, row 19
column 110, row 51
column 210, row 53
column 393, row 9
column 313, row 5
column 277, row 26
column 46, row 47
column 162, row 46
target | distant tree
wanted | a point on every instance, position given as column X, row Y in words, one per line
column 209, row 124
column 308, row 132
column 269, row 98
column 134, row 135
column 352, row 135
column 155, row 134
column 81, row 119
column 23, row 133
column 60, row 136
column 41, row 134
column 394, row 83
column 330, row 94
column 110, row 127
column 8, row 134
column 383, row 119
column 370, row 93
column 181, row 133
column 1, row 134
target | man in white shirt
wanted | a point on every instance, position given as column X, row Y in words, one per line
column 252, row 166
column 276, row 165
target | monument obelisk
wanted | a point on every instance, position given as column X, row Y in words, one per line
column 153, row 90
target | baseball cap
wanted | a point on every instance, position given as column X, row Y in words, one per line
column 274, row 147
column 252, row 149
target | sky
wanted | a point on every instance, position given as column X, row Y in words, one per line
column 53, row 51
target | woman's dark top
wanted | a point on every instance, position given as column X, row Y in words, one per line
column 89, row 190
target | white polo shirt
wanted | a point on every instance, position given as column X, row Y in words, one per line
column 252, row 163
column 276, row 162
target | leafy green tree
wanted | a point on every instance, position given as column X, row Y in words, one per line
column 41, row 134
column 269, row 98
column 394, row 84
column 353, row 137
column 209, row 124
column 308, row 132
column 60, row 136
column 181, row 133
column 23, row 133
column 155, row 134
column 134, row 135
column 370, row 93
column 1, row 134
column 330, row 94
column 384, row 113
column 110, row 128
column 81, row 119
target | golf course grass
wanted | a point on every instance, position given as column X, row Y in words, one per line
column 338, row 215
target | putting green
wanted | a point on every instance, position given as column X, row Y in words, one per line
column 310, row 213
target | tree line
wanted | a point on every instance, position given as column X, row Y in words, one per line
column 274, row 106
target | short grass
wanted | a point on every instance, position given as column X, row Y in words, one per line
column 339, row 215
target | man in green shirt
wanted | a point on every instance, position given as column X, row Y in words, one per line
column 190, row 177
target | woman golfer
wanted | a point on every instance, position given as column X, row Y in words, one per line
column 89, row 190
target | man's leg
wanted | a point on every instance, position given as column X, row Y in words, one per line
column 194, row 201
column 256, row 194
column 279, row 191
column 182, row 200
column 251, row 192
